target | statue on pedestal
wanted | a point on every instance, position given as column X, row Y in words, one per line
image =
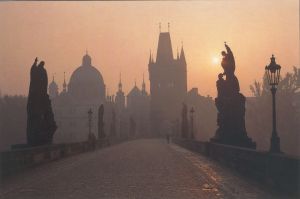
column 40, row 119
column 231, row 106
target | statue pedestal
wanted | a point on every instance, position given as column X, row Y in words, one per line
column 231, row 122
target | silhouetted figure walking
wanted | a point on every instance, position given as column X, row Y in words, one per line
column 40, row 119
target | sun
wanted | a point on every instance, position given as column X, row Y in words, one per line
column 215, row 60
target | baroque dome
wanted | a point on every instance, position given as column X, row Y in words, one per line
column 86, row 83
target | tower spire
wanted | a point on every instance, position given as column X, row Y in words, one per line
column 64, row 84
column 164, row 48
column 182, row 56
column 150, row 57
column 168, row 27
column 143, row 84
column 120, row 83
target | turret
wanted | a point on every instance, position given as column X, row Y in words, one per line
column 120, row 84
column 150, row 58
column 182, row 56
column 86, row 60
column 164, row 49
column 143, row 85
column 53, row 89
column 64, row 84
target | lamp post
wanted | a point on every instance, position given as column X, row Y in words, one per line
column 192, row 122
column 273, row 75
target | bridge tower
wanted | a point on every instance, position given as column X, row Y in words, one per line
column 168, row 85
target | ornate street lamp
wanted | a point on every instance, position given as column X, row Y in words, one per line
column 273, row 76
column 192, row 122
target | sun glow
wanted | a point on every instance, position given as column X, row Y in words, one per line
column 215, row 60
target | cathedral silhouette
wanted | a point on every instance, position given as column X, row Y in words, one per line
column 153, row 115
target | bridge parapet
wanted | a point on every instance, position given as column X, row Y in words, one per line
column 278, row 171
column 20, row 159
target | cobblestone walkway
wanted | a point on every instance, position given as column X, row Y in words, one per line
column 136, row 169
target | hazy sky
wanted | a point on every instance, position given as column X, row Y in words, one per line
column 119, row 36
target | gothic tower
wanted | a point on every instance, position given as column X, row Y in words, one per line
column 120, row 97
column 168, row 85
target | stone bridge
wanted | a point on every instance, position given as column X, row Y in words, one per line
column 147, row 168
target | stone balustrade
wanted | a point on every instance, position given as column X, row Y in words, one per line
column 20, row 159
column 278, row 171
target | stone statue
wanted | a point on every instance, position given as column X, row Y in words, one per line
column 40, row 119
column 228, row 62
column 184, row 121
column 101, row 133
column 230, row 104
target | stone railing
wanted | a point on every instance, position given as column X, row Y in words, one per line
column 20, row 159
column 278, row 171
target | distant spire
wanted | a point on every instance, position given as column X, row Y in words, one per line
column 64, row 84
column 150, row 58
column 134, row 82
column 86, row 52
column 120, row 83
column 177, row 54
column 143, row 84
column 168, row 27
column 164, row 48
column 182, row 56
column 53, row 78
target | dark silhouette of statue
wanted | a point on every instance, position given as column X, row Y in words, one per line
column 101, row 133
column 231, row 106
column 113, row 124
column 184, row 121
column 40, row 119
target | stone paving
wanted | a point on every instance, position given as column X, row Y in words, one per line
column 135, row 170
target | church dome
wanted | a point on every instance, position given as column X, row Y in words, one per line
column 86, row 83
